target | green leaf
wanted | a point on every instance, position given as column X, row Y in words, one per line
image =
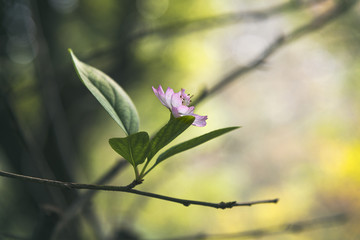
column 193, row 143
column 134, row 148
column 168, row 133
column 110, row 95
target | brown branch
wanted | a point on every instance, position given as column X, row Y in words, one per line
column 185, row 202
column 294, row 228
column 317, row 23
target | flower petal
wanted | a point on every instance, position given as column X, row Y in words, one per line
column 168, row 96
column 185, row 110
column 175, row 112
column 200, row 121
column 159, row 93
column 176, row 101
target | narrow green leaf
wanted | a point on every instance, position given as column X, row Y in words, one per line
column 110, row 95
column 168, row 133
column 134, row 148
column 193, row 143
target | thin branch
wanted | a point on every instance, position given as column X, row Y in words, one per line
column 294, row 228
column 315, row 24
column 185, row 202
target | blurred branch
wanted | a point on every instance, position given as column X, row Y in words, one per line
column 31, row 147
column 76, row 206
column 294, row 228
column 189, row 26
column 11, row 236
column 224, row 19
column 317, row 23
column 94, row 222
column 185, row 202
column 51, row 97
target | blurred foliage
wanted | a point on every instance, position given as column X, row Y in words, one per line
column 299, row 112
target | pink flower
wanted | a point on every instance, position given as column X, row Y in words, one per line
column 178, row 103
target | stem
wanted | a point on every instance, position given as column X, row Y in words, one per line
column 144, row 168
column 149, row 170
column 137, row 176
column 143, row 173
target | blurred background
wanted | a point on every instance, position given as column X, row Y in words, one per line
column 287, row 71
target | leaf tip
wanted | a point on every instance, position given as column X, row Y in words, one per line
column 111, row 140
column 73, row 57
column 71, row 53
